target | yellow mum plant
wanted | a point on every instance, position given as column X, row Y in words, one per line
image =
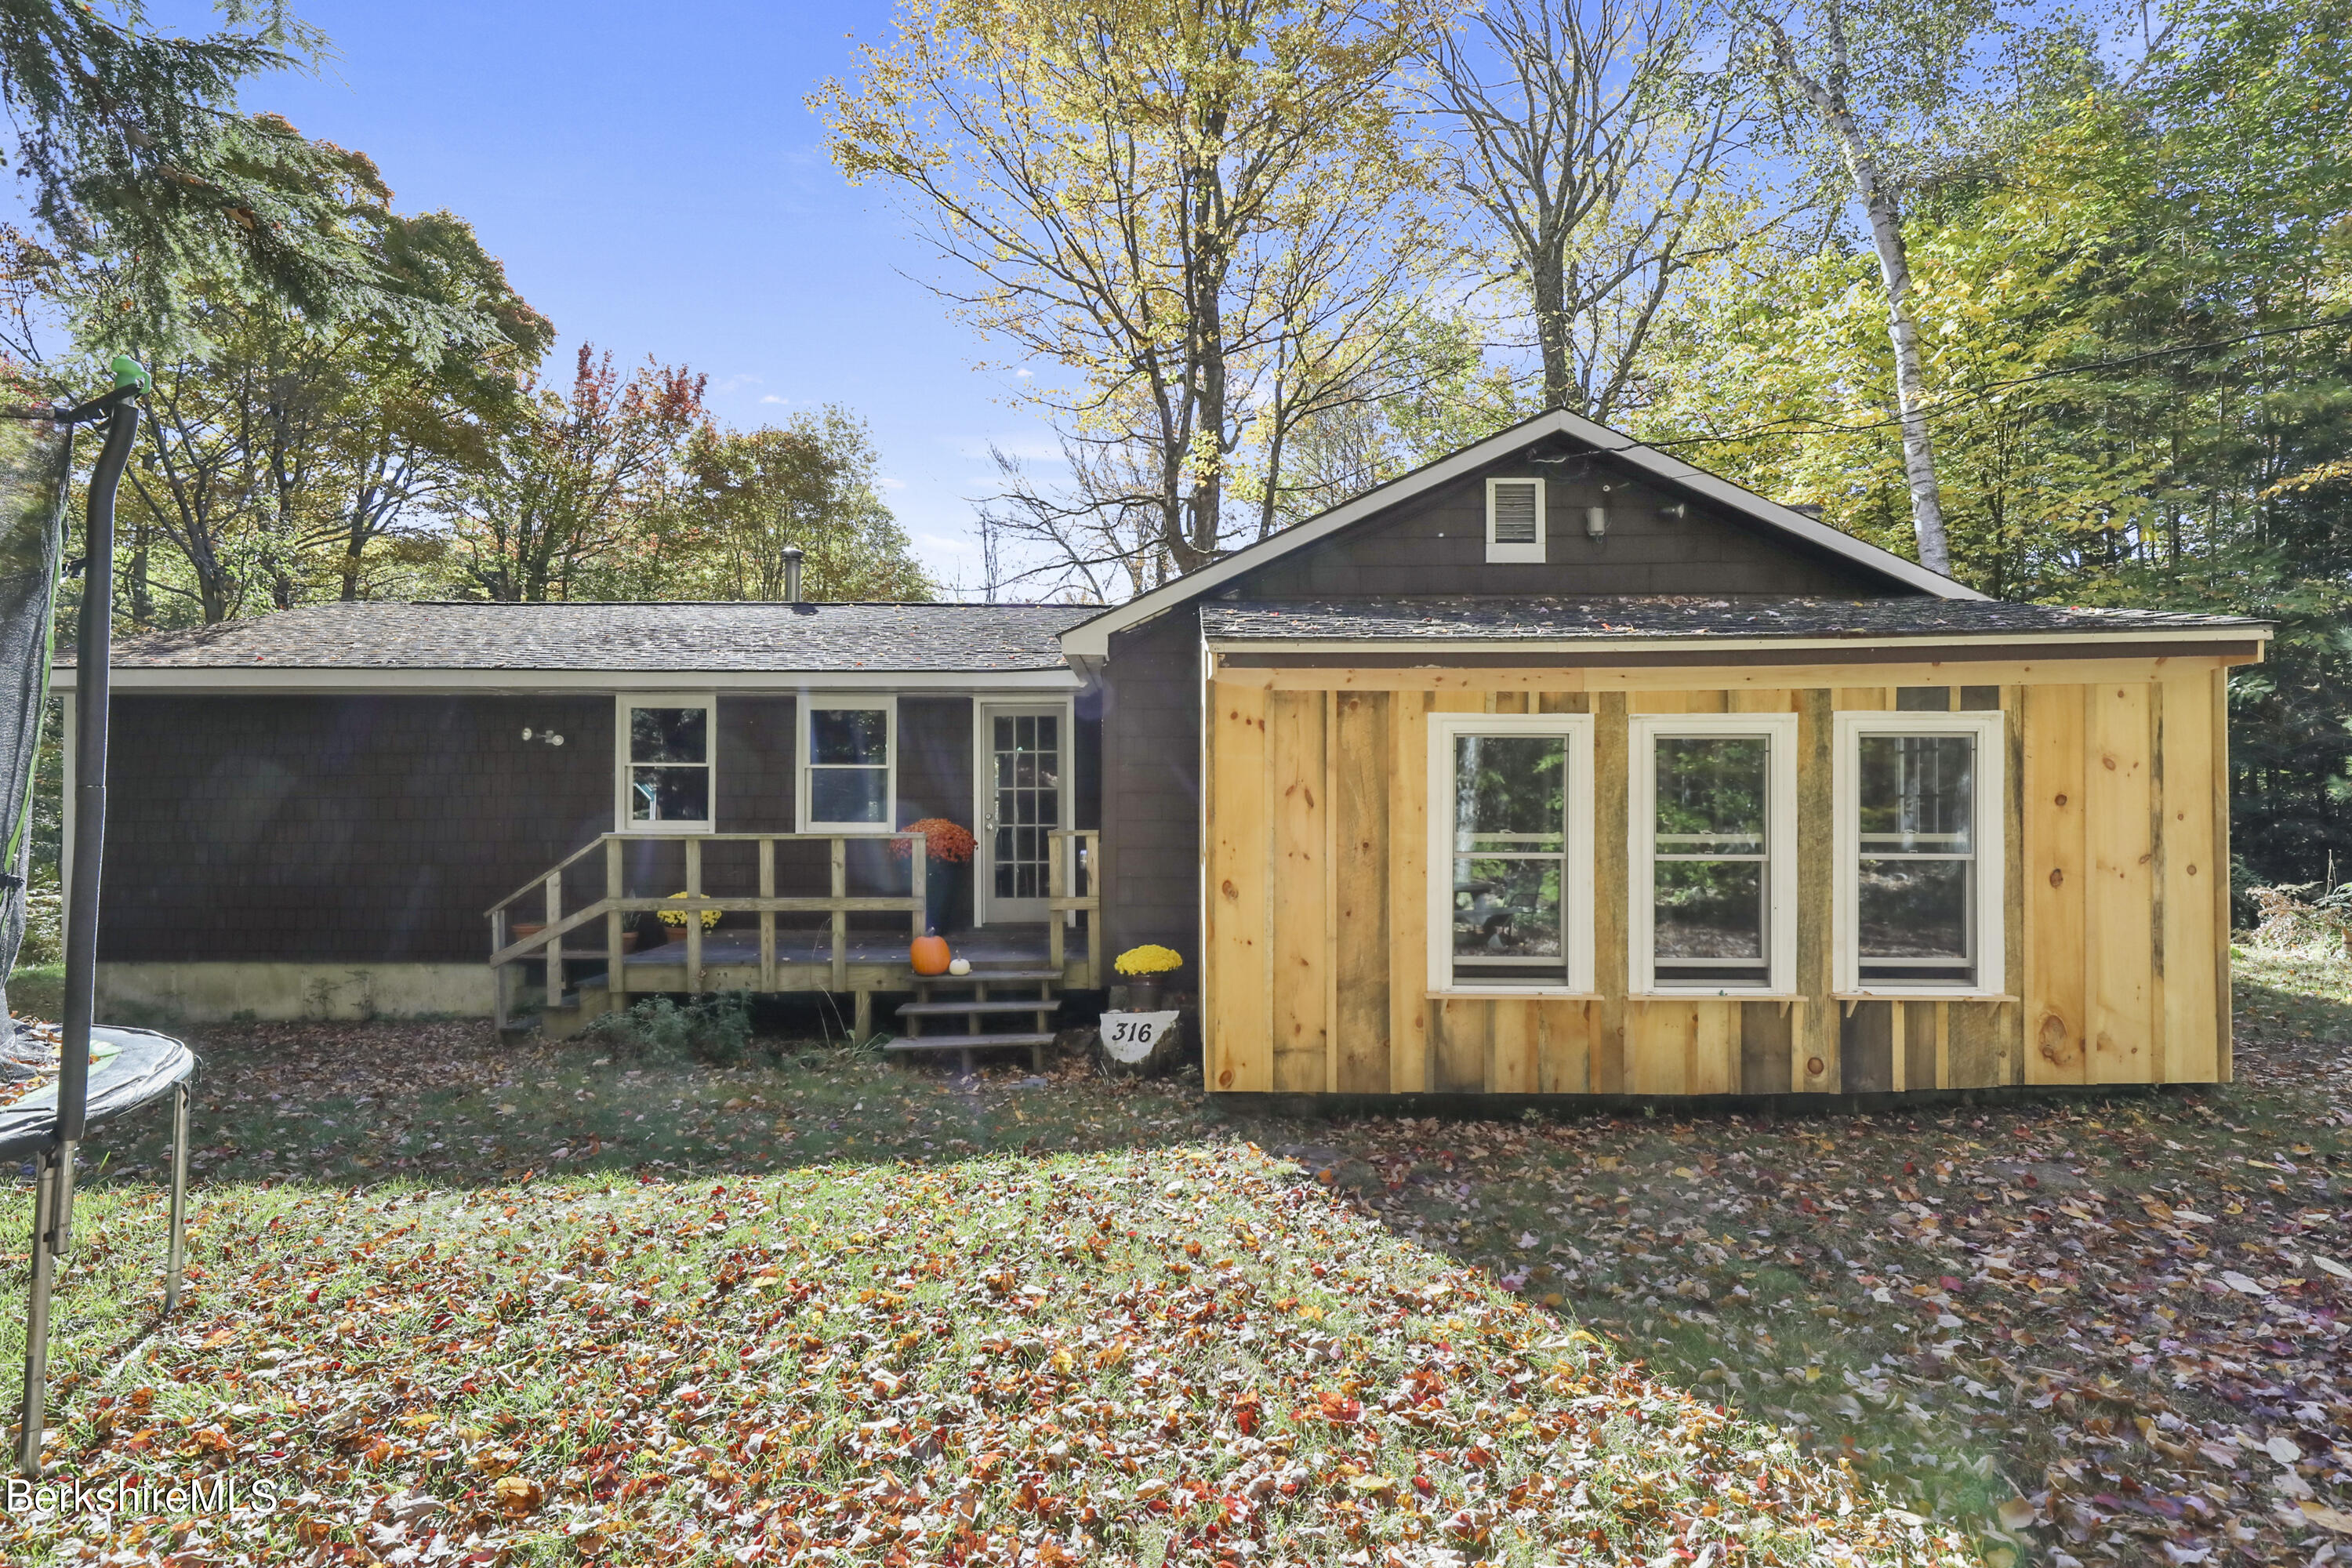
column 678, row 917
column 1148, row 959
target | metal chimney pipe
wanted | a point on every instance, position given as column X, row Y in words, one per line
column 792, row 573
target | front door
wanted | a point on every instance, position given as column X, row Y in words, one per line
column 1022, row 751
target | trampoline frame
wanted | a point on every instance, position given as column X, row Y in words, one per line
column 54, row 1162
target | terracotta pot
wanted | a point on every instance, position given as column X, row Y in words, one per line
column 929, row 954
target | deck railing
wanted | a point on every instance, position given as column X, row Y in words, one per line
column 1072, row 873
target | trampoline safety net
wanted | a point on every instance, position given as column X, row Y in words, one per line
column 33, row 463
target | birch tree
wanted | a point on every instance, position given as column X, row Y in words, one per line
column 1598, row 154
column 1190, row 212
column 1866, row 75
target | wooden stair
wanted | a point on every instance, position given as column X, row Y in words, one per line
column 984, row 1016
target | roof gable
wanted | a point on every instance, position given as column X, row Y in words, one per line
column 1092, row 640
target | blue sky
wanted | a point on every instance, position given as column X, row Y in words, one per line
column 654, row 183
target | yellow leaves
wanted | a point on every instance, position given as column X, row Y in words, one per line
column 2326, row 1518
column 520, row 1494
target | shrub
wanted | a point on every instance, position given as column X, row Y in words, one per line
column 2289, row 921
column 45, row 931
column 715, row 1030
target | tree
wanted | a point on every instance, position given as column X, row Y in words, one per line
column 2145, row 363
column 1598, row 155
column 1196, row 211
column 572, row 483
column 141, row 169
column 1858, row 72
column 281, row 454
column 743, row 496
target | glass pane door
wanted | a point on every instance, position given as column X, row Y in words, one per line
column 1022, row 780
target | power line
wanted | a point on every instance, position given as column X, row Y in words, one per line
column 1959, row 401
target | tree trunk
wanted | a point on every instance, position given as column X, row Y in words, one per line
column 1910, row 381
column 1548, row 289
column 1895, row 270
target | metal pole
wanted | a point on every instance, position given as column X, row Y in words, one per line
column 53, row 1204
column 29, row 1431
column 179, row 1243
column 92, row 683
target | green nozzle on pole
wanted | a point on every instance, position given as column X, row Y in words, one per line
column 127, row 373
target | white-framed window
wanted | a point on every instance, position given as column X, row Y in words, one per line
column 663, row 762
column 1712, row 864
column 1510, row 852
column 848, row 776
column 1514, row 520
column 1919, row 853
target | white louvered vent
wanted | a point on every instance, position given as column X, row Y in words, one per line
column 1514, row 520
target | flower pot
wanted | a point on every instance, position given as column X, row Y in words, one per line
column 1143, row 993
column 929, row 954
column 944, row 882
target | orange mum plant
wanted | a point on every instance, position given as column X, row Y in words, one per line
column 942, row 840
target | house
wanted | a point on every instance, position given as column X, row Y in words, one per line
column 1557, row 766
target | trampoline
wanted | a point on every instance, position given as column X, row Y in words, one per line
column 129, row 1068
column 101, row 1073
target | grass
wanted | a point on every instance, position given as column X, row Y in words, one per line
column 38, row 991
column 566, row 1307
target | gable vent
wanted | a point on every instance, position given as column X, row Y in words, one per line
column 1514, row 520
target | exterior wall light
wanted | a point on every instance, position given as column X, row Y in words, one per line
column 550, row 736
column 1596, row 523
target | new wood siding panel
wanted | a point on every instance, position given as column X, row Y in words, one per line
column 1360, row 916
column 1345, row 1005
column 1611, row 828
column 1294, row 730
column 2121, row 898
column 1409, row 1011
column 1237, row 1012
column 2187, row 753
column 2057, row 1003
column 1815, row 1063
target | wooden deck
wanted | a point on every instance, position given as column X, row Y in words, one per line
column 775, row 939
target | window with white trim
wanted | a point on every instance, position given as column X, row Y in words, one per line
column 1514, row 520
column 665, row 773
column 847, row 782
column 1919, row 846
column 1510, row 862
column 1712, row 872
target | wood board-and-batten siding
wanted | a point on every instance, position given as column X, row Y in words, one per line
column 1315, row 833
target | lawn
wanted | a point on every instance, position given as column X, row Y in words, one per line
column 462, row 1302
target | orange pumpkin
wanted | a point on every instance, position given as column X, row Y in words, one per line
column 929, row 954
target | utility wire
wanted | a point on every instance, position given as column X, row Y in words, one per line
column 1957, row 401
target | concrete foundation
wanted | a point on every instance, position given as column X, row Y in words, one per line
column 223, row 992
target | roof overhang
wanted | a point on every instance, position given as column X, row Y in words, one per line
column 1447, row 650
column 263, row 681
column 1091, row 640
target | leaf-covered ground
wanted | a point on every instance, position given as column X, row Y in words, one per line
column 465, row 1303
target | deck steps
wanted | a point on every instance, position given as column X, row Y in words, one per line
column 964, row 1045
column 967, row 1009
column 983, row 1015
column 991, row 1022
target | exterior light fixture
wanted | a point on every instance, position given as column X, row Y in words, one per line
column 550, row 736
column 1596, row 523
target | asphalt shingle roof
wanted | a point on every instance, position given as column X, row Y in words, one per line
column 1466, row 619
column 620, row 636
